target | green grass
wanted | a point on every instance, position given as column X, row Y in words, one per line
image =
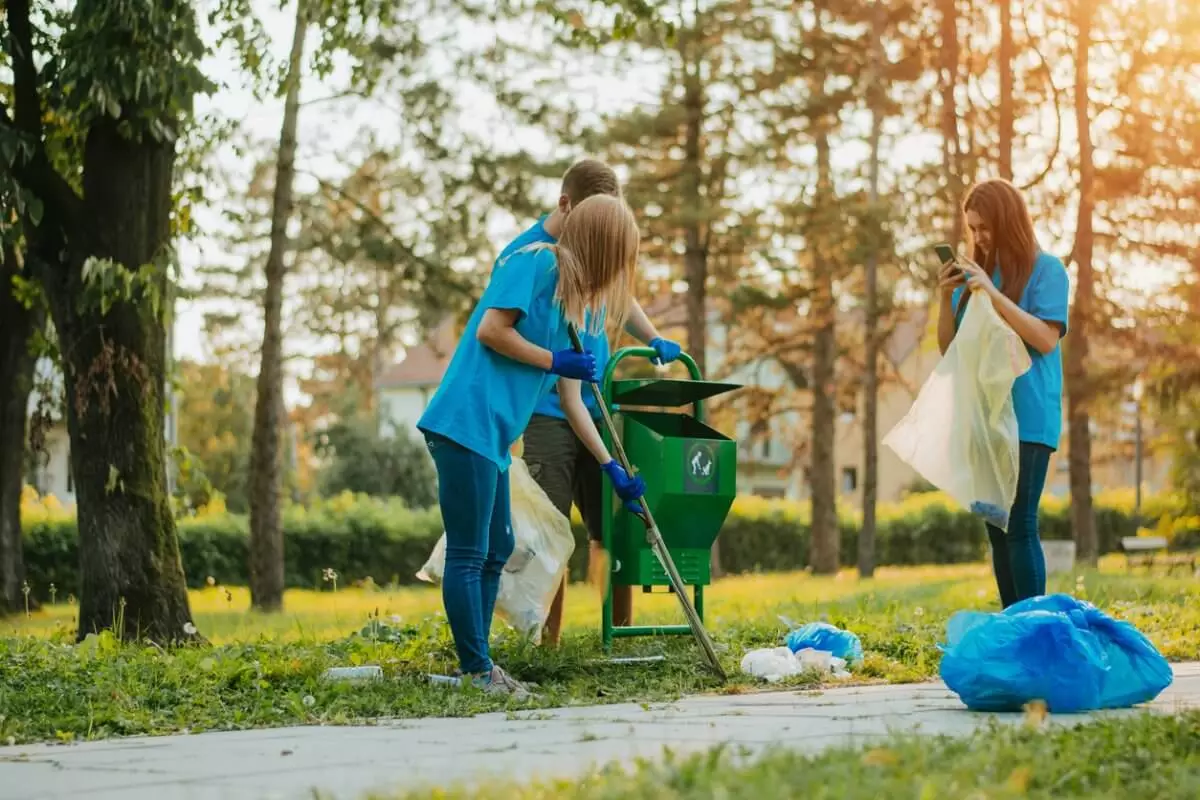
column 1142, row 756
column 266, row 671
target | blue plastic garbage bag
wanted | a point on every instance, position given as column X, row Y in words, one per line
column 823, row 636
column 1057, row 649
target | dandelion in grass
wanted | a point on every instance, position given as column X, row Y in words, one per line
column 1018, row 781
column 330, row 576
column 25, row 591
column 53, row 593
column 189, row 629
column 211, row 581
column 1035, row 714
column 309, row 701
column 918, row 612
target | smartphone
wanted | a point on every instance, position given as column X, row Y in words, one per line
column 945, row 253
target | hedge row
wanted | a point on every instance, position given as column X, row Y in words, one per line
column 362, row 537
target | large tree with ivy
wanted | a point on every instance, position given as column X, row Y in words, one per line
column 101, row 95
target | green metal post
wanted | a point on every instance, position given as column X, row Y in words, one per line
column 649, row 352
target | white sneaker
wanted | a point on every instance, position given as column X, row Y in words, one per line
column 495, row 682
column 500, row 682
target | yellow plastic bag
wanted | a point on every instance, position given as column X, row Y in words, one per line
column 961, row 432
column 544, row 544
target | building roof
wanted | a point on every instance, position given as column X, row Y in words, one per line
column 424, row 364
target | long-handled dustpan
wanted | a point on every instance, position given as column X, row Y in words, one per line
column 653, row 536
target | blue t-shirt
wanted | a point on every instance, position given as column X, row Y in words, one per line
column 486, row 400
column 1037, row 395
column 597, row 345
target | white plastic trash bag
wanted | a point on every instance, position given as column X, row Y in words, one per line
column 961, row 433
column 773, row 664
column 544, row 544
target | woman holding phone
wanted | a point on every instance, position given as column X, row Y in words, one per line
column 1030, row 290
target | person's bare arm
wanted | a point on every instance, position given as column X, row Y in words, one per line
column 570, row 396
column 1037, row 333
column 949, row 279
column 639, row 325
column 497, row 332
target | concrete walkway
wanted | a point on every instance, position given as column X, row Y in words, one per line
column 348, row 762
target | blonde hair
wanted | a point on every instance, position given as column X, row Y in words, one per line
column 597, row 255
column 587, row 178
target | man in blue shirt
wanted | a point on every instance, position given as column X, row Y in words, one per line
column 556, row 458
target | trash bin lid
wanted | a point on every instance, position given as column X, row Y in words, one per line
column 666, row 392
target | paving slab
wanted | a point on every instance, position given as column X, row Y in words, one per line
column 347, row 762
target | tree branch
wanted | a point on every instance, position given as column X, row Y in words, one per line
column 35, row 172
column 1056, row 97
column 382, row 223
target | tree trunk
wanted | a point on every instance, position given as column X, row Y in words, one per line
column 266, row 468
column 825, row 556
column 1006, row 90
column 113, row 347
column 695, row 255
column 870, row 490
column 951, row 150
column 17, row 323
column 1083, row 518
column 694, row 258
column 131, row 577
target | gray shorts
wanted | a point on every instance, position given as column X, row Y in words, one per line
column 564, row 469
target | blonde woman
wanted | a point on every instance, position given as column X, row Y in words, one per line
column 514, row 350
column 557, row 458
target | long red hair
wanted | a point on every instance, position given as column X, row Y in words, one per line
column 1014, row 245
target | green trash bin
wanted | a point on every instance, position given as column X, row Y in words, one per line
column 690, row 472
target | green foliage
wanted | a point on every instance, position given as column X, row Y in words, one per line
column 267, row 671
column 216, row 421
column 364, row 537
column 384, row 236
column 107, row 283
column 361, row 461
column 594, row 22
column 388, row 542
column 1181, row 419
column 1146, row 755
column 131, row 61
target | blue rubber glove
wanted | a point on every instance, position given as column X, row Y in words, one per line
column 570, row 364
column 667, row 350
column 629, row 488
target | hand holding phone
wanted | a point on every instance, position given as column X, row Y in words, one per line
column 945, row 253
column 950, row 276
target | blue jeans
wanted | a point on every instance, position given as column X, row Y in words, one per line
column 473, row 494
column 1017, row 557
